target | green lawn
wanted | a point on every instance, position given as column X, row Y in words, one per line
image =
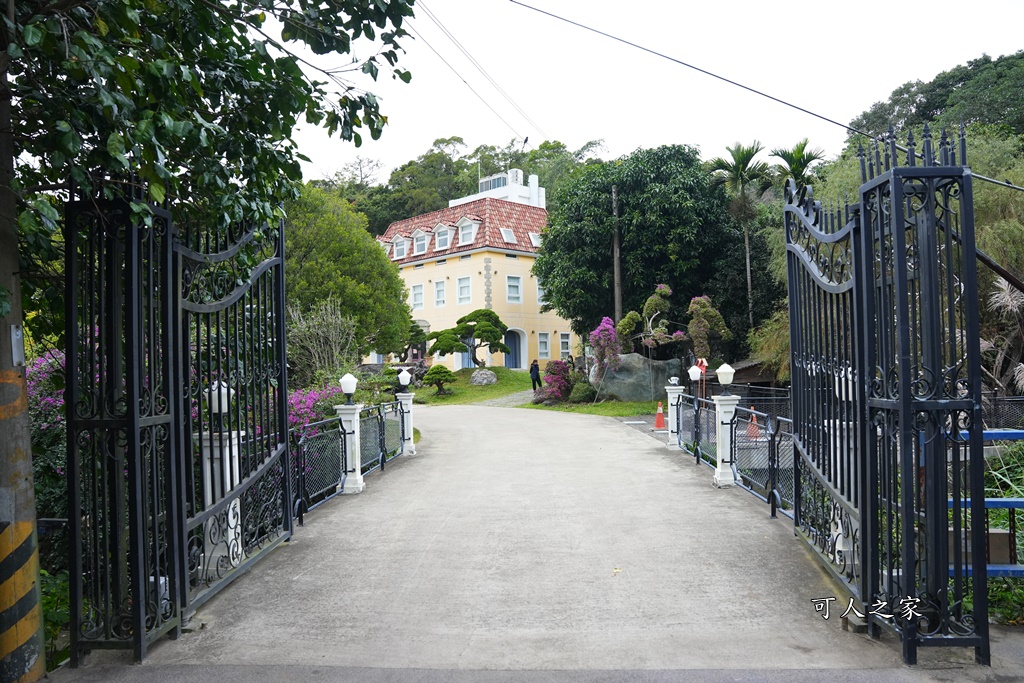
column 609, row 408
column 513, row 381
column 509, row 382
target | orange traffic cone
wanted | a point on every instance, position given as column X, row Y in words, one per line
column 752, row 430
column 659, row 419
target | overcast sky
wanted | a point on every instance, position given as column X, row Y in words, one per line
column 834, row 59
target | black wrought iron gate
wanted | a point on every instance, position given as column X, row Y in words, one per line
column 887, row 394
column 177, row 423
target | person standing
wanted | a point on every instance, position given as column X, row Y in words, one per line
column 535, row 375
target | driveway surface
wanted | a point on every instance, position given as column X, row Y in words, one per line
column 523, row 545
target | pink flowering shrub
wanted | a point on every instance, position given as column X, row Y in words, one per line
column 557, row 380
column 312, row 405
column 604, row 340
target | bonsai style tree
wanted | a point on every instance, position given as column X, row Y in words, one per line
column 445, row 342
column 439, row 375
column 479, row 329
column 651, row 334
column 416, row 336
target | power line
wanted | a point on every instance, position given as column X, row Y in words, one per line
column 480, row 68
column 740, row 85
column 418, row 35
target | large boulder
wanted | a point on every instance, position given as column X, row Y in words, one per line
column 639, row 379
column 480, row 377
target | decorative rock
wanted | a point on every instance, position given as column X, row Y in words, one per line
column 481, row 377
column 639, row 379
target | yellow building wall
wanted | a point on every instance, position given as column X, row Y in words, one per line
column 485, row 268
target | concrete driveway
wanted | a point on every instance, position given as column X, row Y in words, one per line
column 525, row 545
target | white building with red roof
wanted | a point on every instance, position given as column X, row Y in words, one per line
column 478, row 253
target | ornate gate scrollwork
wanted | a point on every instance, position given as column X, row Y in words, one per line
column 887, row 394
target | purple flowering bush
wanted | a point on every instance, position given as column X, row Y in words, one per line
column 45, row 378
column 604, row 340
column 306, row 406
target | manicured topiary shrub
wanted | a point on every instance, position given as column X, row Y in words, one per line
column 558, row 380
column 582, row 392
column 439, row 375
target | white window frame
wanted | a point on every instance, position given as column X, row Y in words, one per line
column 544, row 345
column 413, row 292
column 467, row 229
column 518, row 299
column 564, row 345
column 399, row 252
column 442, row 236
column 439, row 293
column 468, row 282
column 540, row 293
column 419, row 244
column 535, row 239
column 509, row 236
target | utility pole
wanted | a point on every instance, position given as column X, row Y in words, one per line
column 616, row 257
column 21, row 629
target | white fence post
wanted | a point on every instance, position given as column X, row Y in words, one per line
column 725, row 410
column 349, row 414
column 675, row 394
column 405, row 404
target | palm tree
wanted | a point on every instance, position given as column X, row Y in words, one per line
column 796, row 162
column 747, row 180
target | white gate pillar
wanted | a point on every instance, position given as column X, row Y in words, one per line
column 675, row 394
column 221, row 474
column 405, row 405
column 725, row 410
column 349, row 414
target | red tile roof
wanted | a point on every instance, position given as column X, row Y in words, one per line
column 492, row 214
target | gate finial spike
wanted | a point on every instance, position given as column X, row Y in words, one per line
column 911, row 154
column 963, row 143
column 944, row 148
column 926, row 147
column 863, row 164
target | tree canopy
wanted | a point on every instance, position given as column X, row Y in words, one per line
column 674, row 225
column 984, row 90
column 330, row 255
column 196, row 102
column 447, row 171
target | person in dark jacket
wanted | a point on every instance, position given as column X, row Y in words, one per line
column 535, row 375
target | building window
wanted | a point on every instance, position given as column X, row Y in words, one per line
column 400, row 249
column 419, row 244
column 441, row 262
column 417, row 266
column 466, row 233
column 442, row 240
column 543, row 345
column 512, row 256
column 464, row 292
column 513, row 289
column 564, row 340
column 508, row 235
column 439, row 293
column 535, row 239
column 540, row 293
column 417, row 297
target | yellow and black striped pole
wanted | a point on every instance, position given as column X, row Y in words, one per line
column 21, row 622
column 21, row 619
